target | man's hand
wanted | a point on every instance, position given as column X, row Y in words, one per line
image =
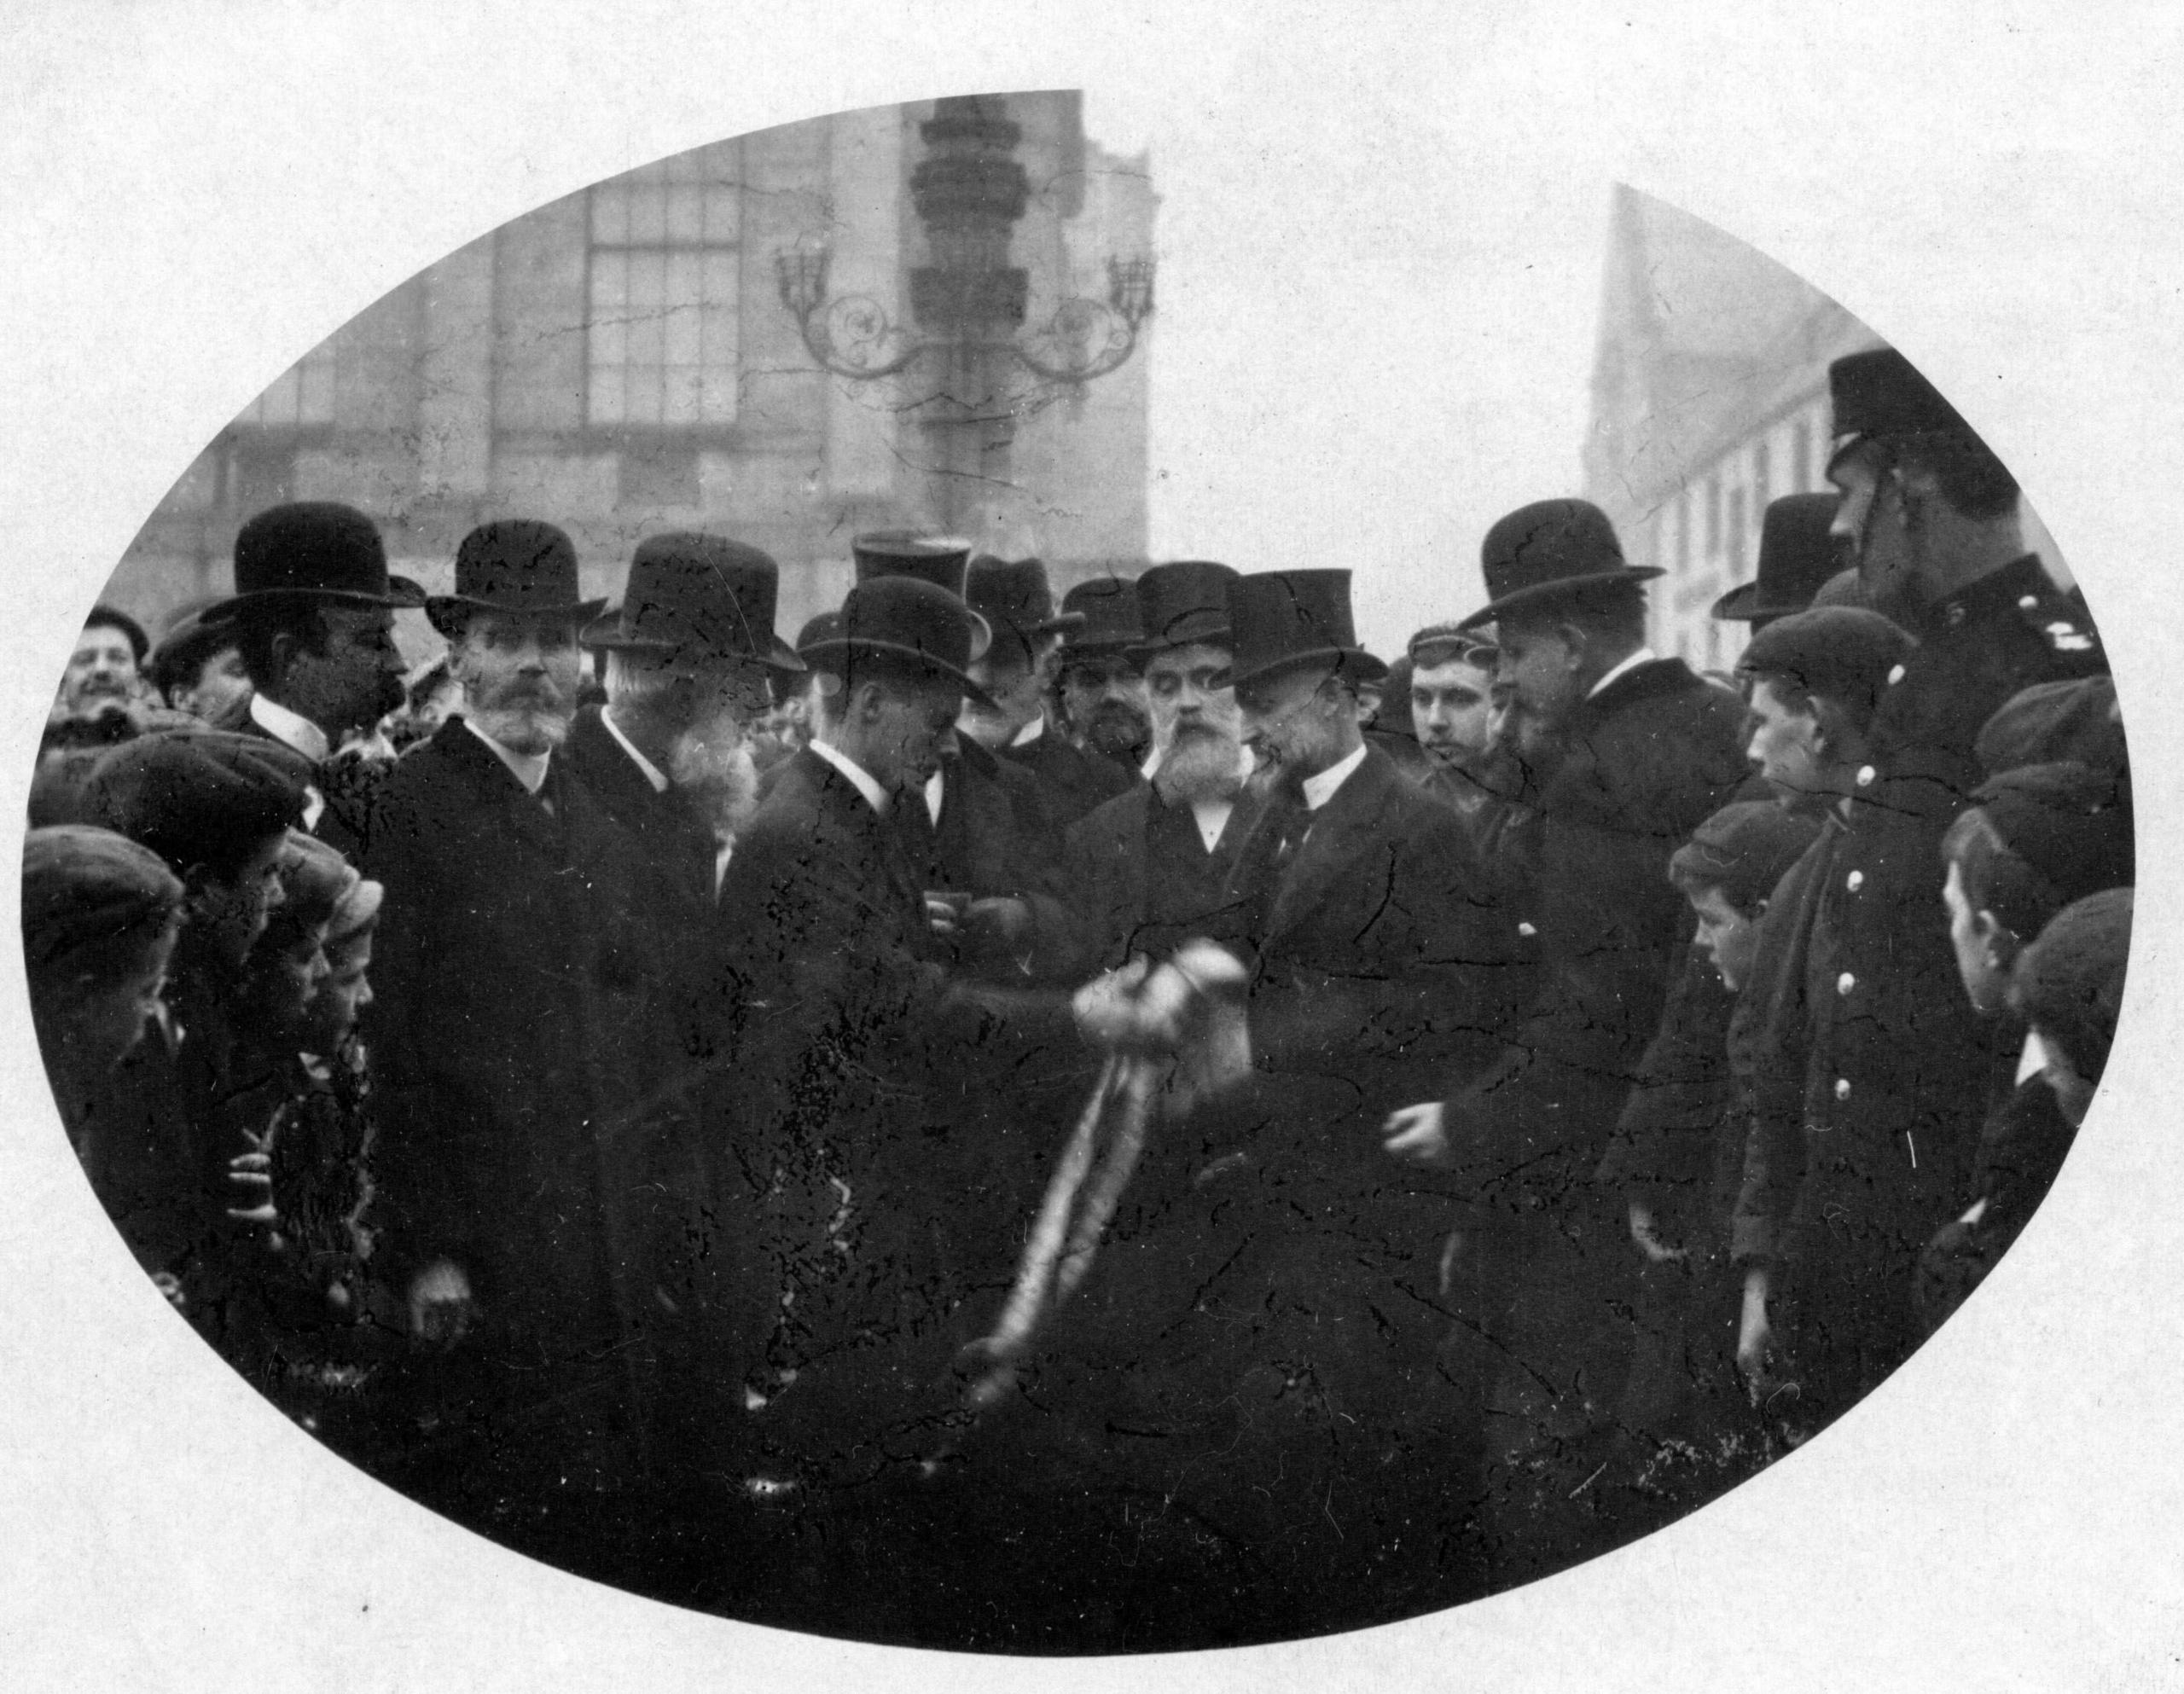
column 250, row 1181
column 999, row 924
column 440, row 1306
column 1755, row 1343
column 945, row 911
column 1419, row 1135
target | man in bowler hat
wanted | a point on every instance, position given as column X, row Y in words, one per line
column 499, row 952
column 1017, row 672
column 1098, row 696
column 1798, row 552
column 312, row 617
column 1625, row 755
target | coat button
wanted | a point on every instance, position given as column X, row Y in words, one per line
column 1845, row 982
column 1842, row 1088
column 2028, row 603
column 1855, row 881
column 1865, row 775
column 1895, row 675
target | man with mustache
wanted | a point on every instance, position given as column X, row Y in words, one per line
column 1099, row 695
column 102, row 673
column 502, row 952
column 312, row 617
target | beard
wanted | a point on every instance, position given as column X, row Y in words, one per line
column 1201, row 763
column 1117, row 730
column 530, row 719
column 714, row 770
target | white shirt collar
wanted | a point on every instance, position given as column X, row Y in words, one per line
column 1211, row 817
column 1321, row 789
column 528, row 768
column 1030, row 733
column 652, row 773
column 874, row 795
column 1643, row 656
column 291, row 727
column 935, row 789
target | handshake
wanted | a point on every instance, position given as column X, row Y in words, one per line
column 1148, row 1008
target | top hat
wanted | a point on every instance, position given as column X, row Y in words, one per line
column 1014, row 592
column 1183, row 603
column 517, row 567
column 1285, row 618
column 317, row 550
column 699, row 598
column 909, row 619
column 1796, row 554
column 1541, row 552
column 904, row 553
column 1110, row 609
column 1879, row 392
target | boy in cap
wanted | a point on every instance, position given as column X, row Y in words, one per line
column 2068, row 986
column 1867, row 1069
column 2037, row 839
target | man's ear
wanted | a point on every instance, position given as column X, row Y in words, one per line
column 1997, row 937
column 1574, row 643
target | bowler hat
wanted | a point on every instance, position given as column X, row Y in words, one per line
column 698, row 597
column 1183, row 603
column 514, row 565
column 1543, row 552
column 1841, row 652
column 1112, row 622
column 1286, row 618
column 1879, row 391
column 313, row 549
column 906, row 619
column 1014, row 592
column 1797, row 556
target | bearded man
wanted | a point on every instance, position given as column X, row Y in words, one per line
column 1149, row 868
column 499, row 962
column 1099, row 695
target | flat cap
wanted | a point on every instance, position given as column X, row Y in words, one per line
column 2070, row 822
column 84, row 886
column 2069, row 982
column 202, row 798
column 1840, row 652
column 1745, row 850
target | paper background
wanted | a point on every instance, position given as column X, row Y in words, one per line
column 200, row 191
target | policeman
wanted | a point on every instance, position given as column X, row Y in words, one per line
column 1931, row 517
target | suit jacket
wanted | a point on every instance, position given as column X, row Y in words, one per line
column 1643, row 764
column 1139, row 880
column 499, row 954
column 1075, row 781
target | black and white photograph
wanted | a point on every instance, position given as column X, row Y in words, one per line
column 1248, row 874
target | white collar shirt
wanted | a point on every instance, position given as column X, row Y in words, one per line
column 652, row 774
column 860, row 779
column 528, row 768
column 1643, row 656
column 1321, row 789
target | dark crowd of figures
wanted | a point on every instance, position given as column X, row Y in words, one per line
column 1114, row 1124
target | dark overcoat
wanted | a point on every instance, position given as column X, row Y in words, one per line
column 499, row 950
column 1139, row 878
column 1075, row 781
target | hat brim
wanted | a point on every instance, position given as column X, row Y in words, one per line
column 1214, row 635
column 403, row 595
column 439, row 608
column 1742, row 603
column 845, row 648
column 604, row 635
column 1540, row 593
column 1353, row 662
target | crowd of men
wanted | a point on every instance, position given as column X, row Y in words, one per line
column 1121, row 1124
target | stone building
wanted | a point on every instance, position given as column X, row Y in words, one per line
column 625, row 361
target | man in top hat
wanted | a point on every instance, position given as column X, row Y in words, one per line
column 1929, row 516
column 313, row 619
column 1797, row 554
column 1149, row 868
column 862, row 1039
column 1099, row 695
column 500, row 954
column 1624, row 754
column 1293, row 1402
column 1017, row 673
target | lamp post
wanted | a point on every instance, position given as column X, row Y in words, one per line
column 969, row 306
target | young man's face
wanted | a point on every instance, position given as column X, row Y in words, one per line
column 1451, row 705
column 344, row 994
column 1727, row 936
column 1785, row 745
column 101, row 670
column 114, row 1023
column 220, row 681
column 356, row 682
column 519, row 677
column 1974, row 936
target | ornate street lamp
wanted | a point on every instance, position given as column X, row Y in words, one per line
column 969, row 191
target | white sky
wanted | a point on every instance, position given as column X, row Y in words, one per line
column 1373, row 327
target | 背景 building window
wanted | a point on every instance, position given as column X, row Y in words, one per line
column 300, row 398
column 665, row 293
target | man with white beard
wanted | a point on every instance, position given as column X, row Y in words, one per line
column 1149, row 868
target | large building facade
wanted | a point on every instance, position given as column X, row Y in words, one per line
column 623, row 362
